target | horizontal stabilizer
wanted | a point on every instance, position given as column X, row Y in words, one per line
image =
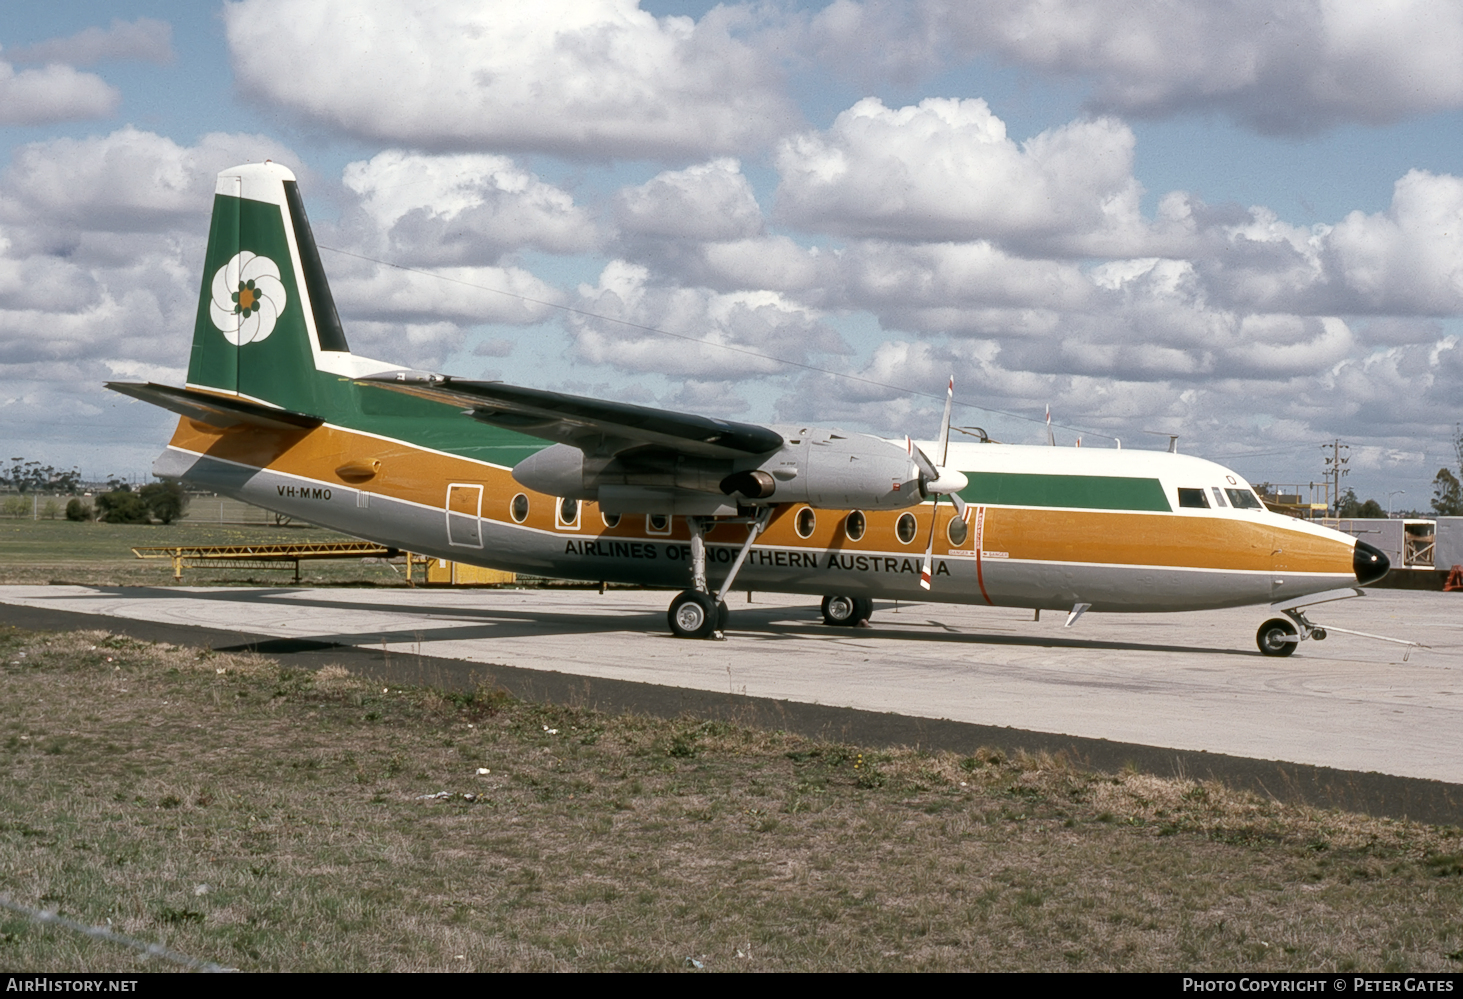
column 588, row 424
column 215, row 410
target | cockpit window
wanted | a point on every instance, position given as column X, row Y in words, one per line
column 1218, row 496
column 1194, row 498
column 1243, row 499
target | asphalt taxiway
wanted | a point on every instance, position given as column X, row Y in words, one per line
column 1185, row 682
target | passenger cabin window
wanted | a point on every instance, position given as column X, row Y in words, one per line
column 904, row 528
column 1193, row 498
column 568, row 514
column 1243, row 499
column 1218, row 496
column 957, row 531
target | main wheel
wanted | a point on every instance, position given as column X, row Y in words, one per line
column 845, row 612
column 693, row 615
column 1276, row 637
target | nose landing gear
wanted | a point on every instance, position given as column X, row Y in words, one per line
column 1279, row 637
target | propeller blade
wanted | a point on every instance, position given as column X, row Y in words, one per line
column 945, row 422
column 926, row 467
column 924, row 572
column 959, row 504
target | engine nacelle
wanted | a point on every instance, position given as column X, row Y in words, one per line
column 829, row 469
column 823, row 468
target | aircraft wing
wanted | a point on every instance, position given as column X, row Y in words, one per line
column 216, row 410
column 592, row 425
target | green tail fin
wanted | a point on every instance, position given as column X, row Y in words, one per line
column 265, row 313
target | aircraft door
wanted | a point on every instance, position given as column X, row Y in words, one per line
column 1279, row 563
column 464, row 508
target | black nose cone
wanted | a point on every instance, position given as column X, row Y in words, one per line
column 1369, row 563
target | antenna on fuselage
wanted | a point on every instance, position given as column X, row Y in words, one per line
column 1173, row 439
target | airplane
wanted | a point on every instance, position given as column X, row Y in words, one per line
column 277, row 411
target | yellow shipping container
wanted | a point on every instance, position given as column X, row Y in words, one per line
column 441, row 572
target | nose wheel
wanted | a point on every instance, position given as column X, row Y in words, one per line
column 1277, row 637
column 1280, row 635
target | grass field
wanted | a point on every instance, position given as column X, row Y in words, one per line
column 59, row 551
column 270, row 820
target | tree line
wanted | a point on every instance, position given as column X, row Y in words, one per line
column 160, row 502
column 33, row 477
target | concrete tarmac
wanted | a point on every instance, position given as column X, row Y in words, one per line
column 1190, row 682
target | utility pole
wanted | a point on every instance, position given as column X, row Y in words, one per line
column 1335, row 469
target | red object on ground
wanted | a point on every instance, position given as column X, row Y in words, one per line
column 1455, row 580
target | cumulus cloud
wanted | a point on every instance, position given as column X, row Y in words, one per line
column 946, row 170
column 144, row 39
column 1277, row 66
column 1408, row 259
column 53, row 93
column 101, row 245
column 596, row 78
column 102, row 242
column 755, row 325
column 127, row 181
column 948, row 277
column 709, row 201
column 1035, row 263
column 463, row 209
column 1396, row 393
column 102, row 239
column 103, row 315
column 416, row 345
column 367, row 291
column 872, row 43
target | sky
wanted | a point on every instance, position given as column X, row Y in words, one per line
column 1239, row 221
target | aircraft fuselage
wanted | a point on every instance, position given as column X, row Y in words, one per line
column 1046, row 527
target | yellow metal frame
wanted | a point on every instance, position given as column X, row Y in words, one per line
column 272, row 556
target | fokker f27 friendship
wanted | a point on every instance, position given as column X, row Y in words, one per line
column 278, row 412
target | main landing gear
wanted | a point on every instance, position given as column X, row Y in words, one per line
column 847, row 612
column 696, row 613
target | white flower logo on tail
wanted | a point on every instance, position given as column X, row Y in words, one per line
column 248, row 297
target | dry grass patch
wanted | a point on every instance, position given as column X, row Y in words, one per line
column 269, row 819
